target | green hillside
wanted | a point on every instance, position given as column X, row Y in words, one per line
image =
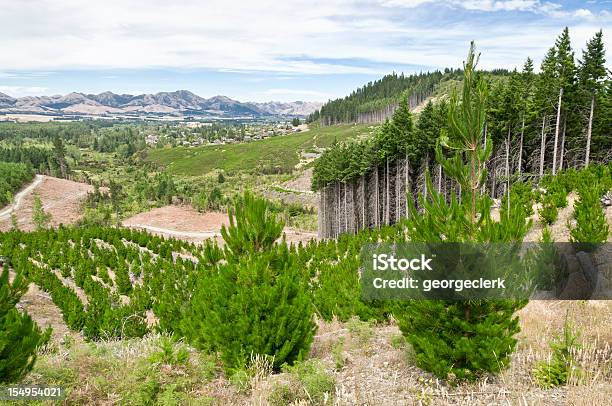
column 388, row 90
column 272, row 155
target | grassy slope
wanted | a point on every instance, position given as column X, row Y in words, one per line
column 281, row 152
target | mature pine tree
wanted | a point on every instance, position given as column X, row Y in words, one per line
column 462, row 339
column 565, row 74
column 59, row 152
column 592, row 75
column 428, row 130
column 397, row 135
column 19, row 335
column 526, row 94
column 544, row 102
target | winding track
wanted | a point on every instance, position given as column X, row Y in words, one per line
column 176, row 233
column 6, row 212
column 210, row 234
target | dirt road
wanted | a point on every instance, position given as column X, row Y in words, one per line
column 5, row 214
column 61, row 198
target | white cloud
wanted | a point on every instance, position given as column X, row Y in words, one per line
column 583, row 13
column 405, row 3
column 269, row 36
column 536, row 6
column 20, row 91
column 506, row 5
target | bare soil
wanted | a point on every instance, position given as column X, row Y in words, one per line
column 180, row 218
column 60, row 197
column 44, row 312
column 184, row 222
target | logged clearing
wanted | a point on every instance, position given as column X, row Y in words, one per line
column 186, row 223
column 60, row 197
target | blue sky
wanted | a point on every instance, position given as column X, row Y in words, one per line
column 269, row 50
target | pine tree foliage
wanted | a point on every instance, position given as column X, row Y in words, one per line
column 257, row 301
column 12, row 177
column 463, row 339
column 20, row 337
column 538, row 123
column 593, row 79
column 562, row 366
column 252, row 227
column 40, row 218
column 395, row 139
column 591, row 227
column 380, row 95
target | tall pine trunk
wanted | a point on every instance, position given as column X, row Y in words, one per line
column 520, row 157
column 562, row 145
column 377, row 201
column 322, row 214
column 508, row 170
column 397, row 190
column 408, row 191
column 589, row 131
column 554, row 168
column 507, row 186
column 363, row 207
column 387, row 193
column 345, row 211
column 543, row 146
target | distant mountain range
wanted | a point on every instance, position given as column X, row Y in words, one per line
column 174, row 103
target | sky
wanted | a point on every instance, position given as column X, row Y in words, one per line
column 253, row 50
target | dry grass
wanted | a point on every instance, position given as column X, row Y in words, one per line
column 377, row 368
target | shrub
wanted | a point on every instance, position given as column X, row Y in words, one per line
column 521, row 195
column 336, row 292
column 170, row 352
column 106, row 318
column 549, row 267
column 549, row 211
column 258, row 302
column 360, row 330
column 557, row 189
column 591, row 227
column 308, row 381
column 259, row 305
column 19, row 335
column 40, row 218
column 562, row 365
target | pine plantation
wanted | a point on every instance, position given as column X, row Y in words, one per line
column 20, row 337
